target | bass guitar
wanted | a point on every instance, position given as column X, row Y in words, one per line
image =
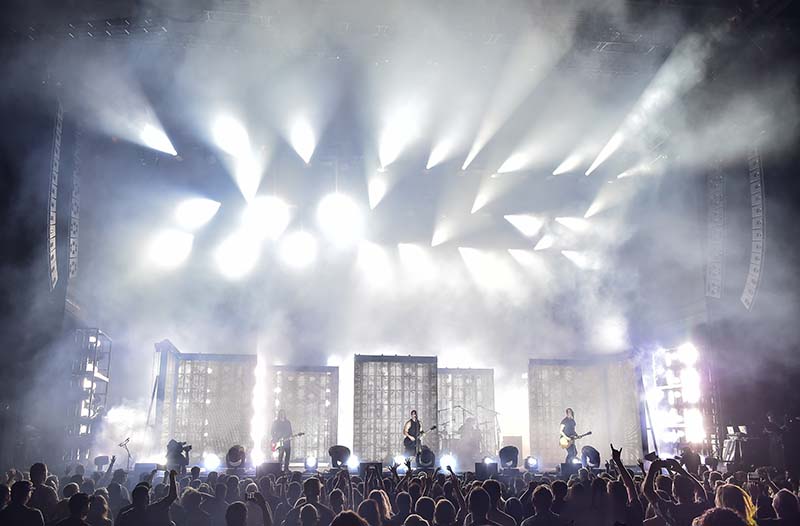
column 566, row 442
column 409, row 443
column 278, row 444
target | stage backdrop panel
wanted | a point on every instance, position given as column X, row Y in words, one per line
column 386, row 389
column 605, row 394
column 204, row 399
column 465, row 393
column 310, row 397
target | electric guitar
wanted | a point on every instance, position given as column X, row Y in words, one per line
column 278, row 444
column 409, row 443
column 566, row 442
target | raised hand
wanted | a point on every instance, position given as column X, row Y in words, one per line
column 616, row 454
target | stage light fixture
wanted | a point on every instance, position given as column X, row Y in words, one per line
column 266, row 217
column 353, row 463
column 516, row 162
column 546, row 241
column 211, row 461
column 576, row 461
column 169, row 248
column 399, row 460
column 529, row 225
column 402, row 128
column 416, row 261
column 302, row 139
column 237, row 255
column 531, row 464
column 611, row 146
column 311, row 464
column 426, row 458
column 448, row 460
column 231, row 136
column 298, row 249
column 196, row 212
column 247, row 174
column 340, row 219
column 509, row 456
column 376, row 190
column 236, row 457
column 576, row 224
column 156, row 139
column 688, row 354
column 488, row 460
column 439, row 153
column 568, row 164
column 340, row 455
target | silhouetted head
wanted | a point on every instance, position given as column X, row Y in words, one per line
column 311, row 489
column 79, row 505
column 403, row 502
column 445, row 513
column 494, row 490
column 281, row 415
column 425, row 507
column 71, row 489
column 38, row 473
column 479, row 503
column 195, row 472
column 542, row 498
column 414, row 414
column 348, row 518
column 737, row 499
column 21, row 492
column 570, row 412
column 236, row 514
column 785, row 505
column 140, row 497
column 719, row 517
column 368, row 510
column 308, row 515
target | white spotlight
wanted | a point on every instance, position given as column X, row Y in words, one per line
column 311, row 463
column 527, row 224
column 298, row 249
column 545, row 242
column 613, row 334
column 376, row 190
column 156, row 139
column 340, row 219
column 266, row 217
column 302, row 139
column 582, row 260
column 516, row 162
column 531, row 463
column 612, row 146
column 488, row 460
column 687, row 353
column 439, row 153
column 247, row 174
column 353, row 463
column 402, row 128
column 481, row 200
column 442, row 233
column 210, row 461
column 237, row 255
column 489, row 271
column 194, row 213
column 170, row 248
column 448, row 460
column 568, row 164
column 230, row 136
column 576, row 224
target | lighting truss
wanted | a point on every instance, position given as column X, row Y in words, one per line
column 386, row 389
column 88, row 391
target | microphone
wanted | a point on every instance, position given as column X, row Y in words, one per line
column 124, row 442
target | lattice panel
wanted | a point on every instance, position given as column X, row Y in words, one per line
column 310, row 397
column 465, row 393
column 606, row 399
column 386, row 390
column 213, row 404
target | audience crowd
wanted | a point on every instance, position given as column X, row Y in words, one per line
column 666, row 494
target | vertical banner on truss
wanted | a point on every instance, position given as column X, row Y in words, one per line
column 715, row 234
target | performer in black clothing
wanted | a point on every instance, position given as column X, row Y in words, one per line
column 282, row 439
column 411, row 431
column 568, row 430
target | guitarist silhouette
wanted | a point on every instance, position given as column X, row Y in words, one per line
column 568, row 430
column 412, row 430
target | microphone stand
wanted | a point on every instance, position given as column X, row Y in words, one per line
column 124, row 445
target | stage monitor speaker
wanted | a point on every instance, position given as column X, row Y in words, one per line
column 569, row 468
column 364, row 467
column 485, row 470
column 268, row 468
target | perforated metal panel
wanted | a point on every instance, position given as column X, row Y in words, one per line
column 386, row 389
column 465, row 393
column 310, row 397
column 605, row 395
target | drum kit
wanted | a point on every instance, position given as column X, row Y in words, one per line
column 468, row 441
